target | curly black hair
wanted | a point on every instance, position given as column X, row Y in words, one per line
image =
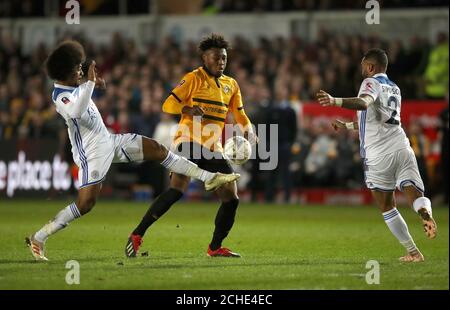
column 213, row 41
column 64, row 60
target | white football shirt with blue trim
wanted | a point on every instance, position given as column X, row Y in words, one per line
column 84, row 122
column 380, row 129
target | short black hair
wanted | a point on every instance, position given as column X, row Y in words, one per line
column 213, row 41
column 378, row 55
column 63, row 60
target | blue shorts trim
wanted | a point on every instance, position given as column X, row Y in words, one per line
column 404, row 182
column 93, row 183
column 382, row 189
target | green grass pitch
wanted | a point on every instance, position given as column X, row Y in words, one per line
column 283, row 247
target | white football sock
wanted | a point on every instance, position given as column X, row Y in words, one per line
column 399, row 229
column 423, row 202
column 181, row 165
column 61, row 220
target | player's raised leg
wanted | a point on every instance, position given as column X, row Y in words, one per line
column 397, row 225
column 411, row 184
column 422, row 205
column 178, row 164
column 85, row 202
column 224, row 221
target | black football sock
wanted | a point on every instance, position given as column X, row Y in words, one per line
column 157, row 209
column 224, row 221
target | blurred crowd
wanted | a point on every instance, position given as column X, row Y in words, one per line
column 275, row 76
column 238, row 6
column 36, row 8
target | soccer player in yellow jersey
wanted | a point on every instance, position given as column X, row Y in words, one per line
column 203, row 98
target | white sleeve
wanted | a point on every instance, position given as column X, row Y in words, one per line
column 370, row 87
column 74, row 104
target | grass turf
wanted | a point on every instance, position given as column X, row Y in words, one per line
column 283, row 247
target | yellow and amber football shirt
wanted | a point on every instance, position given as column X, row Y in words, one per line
column 216, row 97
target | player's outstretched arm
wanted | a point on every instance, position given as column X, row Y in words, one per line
column 338, row 124
column 194, row 111
column 177, row 102
column 100, row 83
column 245, row 125
column 76, row 103
column 356, row 103
column 85, row 92
column 237, row 108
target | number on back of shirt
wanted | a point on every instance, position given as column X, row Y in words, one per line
column 394, row 106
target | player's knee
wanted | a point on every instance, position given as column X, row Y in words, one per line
column 228, row 192
column 154, row 150
column 85, row 205
column 161, row 151
column 229, row 196
column 179, row 183
column 385, row 207
column 180, row 187
column 414, row 194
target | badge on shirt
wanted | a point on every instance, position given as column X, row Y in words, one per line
column 65, row 100
column 369, row 87
column 94, row 174
column 226, row 89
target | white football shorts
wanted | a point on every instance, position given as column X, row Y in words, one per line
column 398, row 169
column 123, row 148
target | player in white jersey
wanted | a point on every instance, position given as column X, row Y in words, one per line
column 389, row 161
column 93, row 147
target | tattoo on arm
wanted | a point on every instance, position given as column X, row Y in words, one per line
column 357, row 103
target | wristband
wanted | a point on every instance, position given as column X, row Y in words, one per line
column 349, row 125
column 338, row 102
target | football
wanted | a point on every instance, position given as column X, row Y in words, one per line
column 237, row 150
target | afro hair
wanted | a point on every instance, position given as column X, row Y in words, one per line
column 64, row 59
column 213, row 41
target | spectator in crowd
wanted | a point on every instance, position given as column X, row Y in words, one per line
column 436, row 74
column 321, row 157
column 165, row 130
column 347, row 166
column 284, row 116
column 39, row 120
column 421, row 147
column 444, row 151
column 4, row 107
column 13, row 119
column 148, row 119
column 258, row 111
column 301, row 150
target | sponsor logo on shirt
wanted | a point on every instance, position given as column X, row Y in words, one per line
column 369, row 87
